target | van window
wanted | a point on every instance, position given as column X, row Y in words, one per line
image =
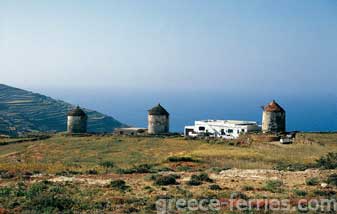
column 201, row 128
column 230, row 131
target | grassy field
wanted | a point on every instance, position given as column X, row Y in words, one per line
column 82, row 153
column 83, row 169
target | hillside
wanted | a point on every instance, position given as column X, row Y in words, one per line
column 24, row 111
column 121, row 174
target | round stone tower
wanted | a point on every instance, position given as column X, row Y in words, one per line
column 273, row 118
column 158, row 120
column 77, row 121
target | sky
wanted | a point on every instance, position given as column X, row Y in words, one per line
column 233, row 46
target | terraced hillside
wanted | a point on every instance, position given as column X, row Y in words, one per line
column 24, row 111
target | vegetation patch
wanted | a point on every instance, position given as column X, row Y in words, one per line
column 325, row 193
column 68, row 173
column 107, row 164
column 197, row 180
column 293, row 167
column 332, row 179
column 328, row 162
column 166, row 180
column 274, row 186
column 184, row 168
column 47, row 197
column 119, row 185
column 92, row 172
column 143, row 168
column 214, row 187
column 5, row 174
column 300, row 193
column 248, row 188
column 5, row 191
column 182, row 159
column 312, row 181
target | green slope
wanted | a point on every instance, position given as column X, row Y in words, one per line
column 24, row 111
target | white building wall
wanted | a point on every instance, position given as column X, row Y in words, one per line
column 221, row 128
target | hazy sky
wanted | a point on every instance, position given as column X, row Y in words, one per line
column 241, row 46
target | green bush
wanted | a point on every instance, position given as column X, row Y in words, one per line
column 184, row 168
column 92, row 172
column 328, row 162
column 312, row 181
column 300, row 192
column 119, row 185
column 5, row 174
column 68, row 173
column 143, row 168
column 332, row 179
column 214, row 187
column 197, row 180
column 194, row 182
column 292, row 167
column 108, row 164
column 5, row 191
column 46, row 197
column 273, row 186
column 166, row 180
column 202, row 177
column 247, row 188
column 181, row 159
column 327, row 193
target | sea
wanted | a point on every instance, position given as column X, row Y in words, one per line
column 311, row 113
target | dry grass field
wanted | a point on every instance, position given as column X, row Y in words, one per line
column 80, row 171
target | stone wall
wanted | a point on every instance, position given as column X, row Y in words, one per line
column 77, row 124
column 273, row 122
column 158, row 124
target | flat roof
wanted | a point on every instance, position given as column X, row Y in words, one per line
column 130, row 128
column 234, row 122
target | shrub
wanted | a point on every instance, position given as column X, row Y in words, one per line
column 247, row 188
column 92, row 172
column 181, row 159
column 143, row 168
column 273, row 186
column 108, row 164
column 194, row 182
column 324, row 193
column 184, row 168
column 119, row 185
column 202, row 177
column 332, row 179
column 5, row 174
column 239, row 195
column 45, row 197
column 197, row 180
column 312, row 181
column 67, row 173
column 300, row 192
column 166, row 180
column 214, row 187
column 218, row 170
column 5, row 191
column 328, row 162
column 292, row 167
column 164, row 169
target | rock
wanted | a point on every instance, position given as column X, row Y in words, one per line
column 324, row 185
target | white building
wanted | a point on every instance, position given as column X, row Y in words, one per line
column 228, row 129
